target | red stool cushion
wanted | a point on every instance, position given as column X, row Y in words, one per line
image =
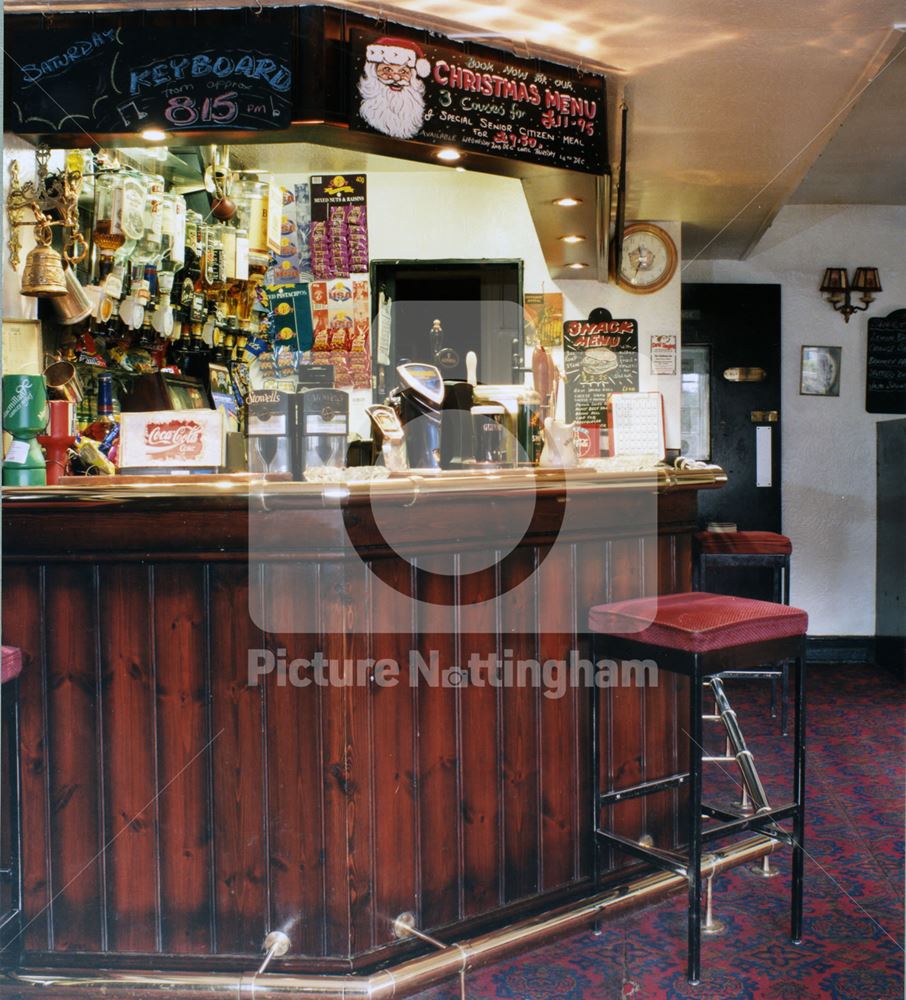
column 697, row 622
column 749, row 543
column 11, row 664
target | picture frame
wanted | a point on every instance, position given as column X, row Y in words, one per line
column 819, row 371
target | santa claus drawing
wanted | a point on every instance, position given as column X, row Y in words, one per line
column 392, row 88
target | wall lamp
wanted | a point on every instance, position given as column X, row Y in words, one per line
column 837, row 287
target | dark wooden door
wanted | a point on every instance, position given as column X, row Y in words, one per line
column 738, row 327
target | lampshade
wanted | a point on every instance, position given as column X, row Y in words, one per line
column 835, row 280
column 867, row 279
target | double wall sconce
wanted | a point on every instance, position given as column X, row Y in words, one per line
column 837, row 287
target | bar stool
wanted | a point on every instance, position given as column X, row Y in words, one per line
column 750, row 550
column 701, row 636
column 11, row 869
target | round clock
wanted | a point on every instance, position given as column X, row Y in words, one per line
column 647, row 258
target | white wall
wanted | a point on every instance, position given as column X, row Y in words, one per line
column 444, row 214
column 828, row 443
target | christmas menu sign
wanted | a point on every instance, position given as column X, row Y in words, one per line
column 502, row 106
column 119, row 80
column 599, row 358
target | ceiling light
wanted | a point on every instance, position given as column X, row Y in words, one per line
column 568, row 202
column 460, row 170
column 572, row 238
column 448, row 155
column 577, row 266
column 154, row 135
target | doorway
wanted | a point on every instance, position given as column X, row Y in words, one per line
column 440, row 310
column 731, row 399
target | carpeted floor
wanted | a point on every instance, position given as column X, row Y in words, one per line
column 853, row 942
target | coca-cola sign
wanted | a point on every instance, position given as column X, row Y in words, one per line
column 180, row 439
column 174, row 440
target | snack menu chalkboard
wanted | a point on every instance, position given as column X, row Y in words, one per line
column 116, row 80
column 536, row 112
column 600, row 358
column 885, row 376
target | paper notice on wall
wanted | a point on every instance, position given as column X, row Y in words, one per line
column 384, row 331
column 341, row 315
column 662, row 353
column 543, row 313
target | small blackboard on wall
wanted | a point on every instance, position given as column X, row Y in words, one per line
column 885, row 378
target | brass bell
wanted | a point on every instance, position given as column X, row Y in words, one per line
column 43, row 272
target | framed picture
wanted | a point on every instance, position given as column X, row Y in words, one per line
column 819, row 372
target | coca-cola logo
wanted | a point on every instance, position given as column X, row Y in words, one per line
column 175, row 439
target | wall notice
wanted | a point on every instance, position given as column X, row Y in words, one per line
column 662, row 352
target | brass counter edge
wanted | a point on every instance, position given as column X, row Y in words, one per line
column 663, row 478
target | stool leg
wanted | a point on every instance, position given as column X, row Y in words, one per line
column 695, row 823
column 799, row 799
column 784, row 697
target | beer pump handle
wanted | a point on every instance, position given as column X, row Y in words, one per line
column 542, row 375
column 472, row 368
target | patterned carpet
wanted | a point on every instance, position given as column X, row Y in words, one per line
column 853, row 943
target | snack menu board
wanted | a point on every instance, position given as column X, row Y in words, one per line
column 125, row 79
column 600, row 358
column 341, row 314
column 505, row 106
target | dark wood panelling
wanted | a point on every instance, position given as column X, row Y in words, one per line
column 520, row 742
column 323, row 811
column 239, row 793
column 394, row 767
column 23, row 623
column 184, row 815
column 129, row 776
column 295, row 790
column 74, row 741
column 439, row 762
column 561, row 813
column 481, row 712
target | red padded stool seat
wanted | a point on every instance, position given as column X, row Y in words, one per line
column 11, row 664
column 698, row 622
column 705, row 638
column 748, row 543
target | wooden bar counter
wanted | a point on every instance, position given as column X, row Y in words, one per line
column 173, row 814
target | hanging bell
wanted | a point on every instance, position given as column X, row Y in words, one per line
column 43, row 272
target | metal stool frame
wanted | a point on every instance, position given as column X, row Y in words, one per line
column 779, row 563
column 698, row 667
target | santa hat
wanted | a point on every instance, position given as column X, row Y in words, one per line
column 398, row 52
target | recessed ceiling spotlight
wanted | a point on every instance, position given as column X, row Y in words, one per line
column 154, row 135
column 577, row 266
column 568, row 202
column 460, row 170
column 572, row 238
column 449, row 155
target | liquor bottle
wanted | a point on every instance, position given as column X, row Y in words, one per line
column 106, row 423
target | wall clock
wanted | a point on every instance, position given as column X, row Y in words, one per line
column 647, row 258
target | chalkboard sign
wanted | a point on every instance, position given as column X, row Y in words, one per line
column 599, row 358
column 442, row 95
column 119, row 80
column 886, row 370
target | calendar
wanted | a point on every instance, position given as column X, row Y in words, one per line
column 636, row 423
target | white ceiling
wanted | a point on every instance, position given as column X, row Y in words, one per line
column 736, row 107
